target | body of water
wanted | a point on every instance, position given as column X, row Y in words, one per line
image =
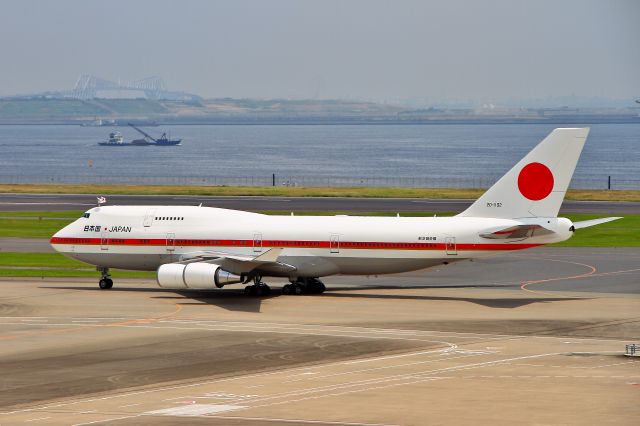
column 382, row 155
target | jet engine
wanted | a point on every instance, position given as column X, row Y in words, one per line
column 197, row 275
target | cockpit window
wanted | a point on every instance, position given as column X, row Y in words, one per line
column 86, row 215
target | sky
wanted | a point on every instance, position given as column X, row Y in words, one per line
column 395, row 50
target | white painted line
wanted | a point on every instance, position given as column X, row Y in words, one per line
column 359, row 361
column 299, row 421
column 107, row 420
column 195, row 410
column 37, row 419
column 385, row 367
column 130, row 405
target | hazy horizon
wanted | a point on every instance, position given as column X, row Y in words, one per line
column 376, row 50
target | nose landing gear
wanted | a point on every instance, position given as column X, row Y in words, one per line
column 303, row 285
column 105, row 282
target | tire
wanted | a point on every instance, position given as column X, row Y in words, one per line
column 105, row 283
column 298, row 289
column 249, row 290
column 286, row 289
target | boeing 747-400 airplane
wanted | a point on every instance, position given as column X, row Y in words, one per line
column 194, row 247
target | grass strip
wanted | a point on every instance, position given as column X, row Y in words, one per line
column 282, row 191
column 47, row 273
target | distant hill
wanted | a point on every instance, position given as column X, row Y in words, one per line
column 45, row 110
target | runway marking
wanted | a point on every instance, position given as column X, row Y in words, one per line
column 367, row 382
column 315, row 422
column 297, row 379
column 78, row 326
column 259, row 375
column 37, row 419
column 195, row 410
column 426, row 379
column 111, row 419
column 525, row 284
column 359, row 361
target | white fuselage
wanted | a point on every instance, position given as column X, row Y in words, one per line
column 145, row 237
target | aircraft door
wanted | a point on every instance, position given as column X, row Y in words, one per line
column 148, row 218
column 450, row 246
column 171, row 242
column 104, row 240
column 334, row 243
column 257, row 243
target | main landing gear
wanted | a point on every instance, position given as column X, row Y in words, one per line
column 303, row 285
column 105, row 282
column 258, row 288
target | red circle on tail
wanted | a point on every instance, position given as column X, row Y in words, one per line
column 535, row 181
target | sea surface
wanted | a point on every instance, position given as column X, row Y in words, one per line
column 380, row 155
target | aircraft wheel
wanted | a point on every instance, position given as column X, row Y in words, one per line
column 287, row 289
column 105, row 283
column 250, row 290
column 298, row 289
column 264, row 290
column 321, row 288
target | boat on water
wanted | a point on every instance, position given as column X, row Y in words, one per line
column 116, row 139
column 98, row 122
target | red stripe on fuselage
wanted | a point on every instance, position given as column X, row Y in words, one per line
column 345, row 245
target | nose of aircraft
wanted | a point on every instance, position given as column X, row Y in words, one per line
column 57, row 238
column 53, row 241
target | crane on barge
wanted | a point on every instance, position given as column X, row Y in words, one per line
column 161, row 141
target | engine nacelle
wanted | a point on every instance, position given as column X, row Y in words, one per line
column 197, row 275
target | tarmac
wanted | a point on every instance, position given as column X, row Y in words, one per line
column 39, row 202
column 535, row 337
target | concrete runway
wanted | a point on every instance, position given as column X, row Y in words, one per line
column 535, row 337
column 39, row 202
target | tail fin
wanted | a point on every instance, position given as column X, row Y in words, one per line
column 537, row 184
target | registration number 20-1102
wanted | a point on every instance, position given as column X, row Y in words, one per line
column 494, row 204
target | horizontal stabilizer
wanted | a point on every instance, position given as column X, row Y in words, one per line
column 593, row 222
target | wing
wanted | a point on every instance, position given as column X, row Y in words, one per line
column 241, row 263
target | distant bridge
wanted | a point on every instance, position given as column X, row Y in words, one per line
column 89, row 86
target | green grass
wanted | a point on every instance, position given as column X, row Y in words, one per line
column 44, row 215
column 20, row 228
column 49, row 273
column 38, row 264
column 55, row 260
column 281, row 191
